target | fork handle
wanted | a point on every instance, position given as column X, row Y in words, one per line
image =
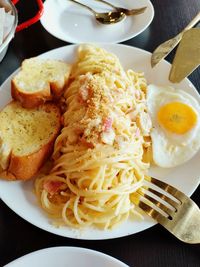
column 78, row 3
column 192, row 23
column 107, row 3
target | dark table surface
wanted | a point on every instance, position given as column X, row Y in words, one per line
column 154, row 247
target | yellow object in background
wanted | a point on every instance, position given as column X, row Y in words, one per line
column 187, row 57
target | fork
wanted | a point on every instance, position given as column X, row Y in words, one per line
column 127, row 12
column 172, row 209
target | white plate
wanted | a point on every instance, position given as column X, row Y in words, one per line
column 70, row 22
column 19, row 195
column 66, row 256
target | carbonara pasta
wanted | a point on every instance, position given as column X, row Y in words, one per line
column 98, row 157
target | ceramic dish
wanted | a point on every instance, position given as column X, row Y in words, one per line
column 66, row 256
column 19, row 196
column 71, row 23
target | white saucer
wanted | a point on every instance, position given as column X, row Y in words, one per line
column 72, row 23
column 66, row 256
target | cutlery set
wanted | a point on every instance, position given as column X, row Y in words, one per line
column 165, row 48
column 187, row 57
column 112, row 16
column 104, row 18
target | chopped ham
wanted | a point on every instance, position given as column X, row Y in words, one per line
column 137, row 133
column 52, row 187
column 107, row 124
column 86, row 143
column 62, row 120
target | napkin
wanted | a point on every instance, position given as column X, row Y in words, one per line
column 6, row 22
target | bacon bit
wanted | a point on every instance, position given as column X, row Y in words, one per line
column 78, row 131
column 86, row 143
column 62, row 120
column 52, row 187
column 137, row 133
column 107, row 124
column 81, row 199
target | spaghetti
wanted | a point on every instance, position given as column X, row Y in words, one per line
column 98, row 157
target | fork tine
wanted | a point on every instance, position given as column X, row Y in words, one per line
column 184, row 223
column 153, row 213
column 158, row 204
column 164, row 197
column 167, row 188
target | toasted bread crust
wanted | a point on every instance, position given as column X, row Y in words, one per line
column 26, row 166
column 35, row 99
column 52, row 90
column 30, row 100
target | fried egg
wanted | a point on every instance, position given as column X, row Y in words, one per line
column 175, row 117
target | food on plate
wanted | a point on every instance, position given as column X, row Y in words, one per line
column 175, row 117
column 39, row 80
column 114, row 127
column 98, row 157
column 26, row 138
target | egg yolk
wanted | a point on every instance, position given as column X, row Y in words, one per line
column 177, row 117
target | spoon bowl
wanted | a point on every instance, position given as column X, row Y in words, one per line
column 104, row 18
column 110, row 17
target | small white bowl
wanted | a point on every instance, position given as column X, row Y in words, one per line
column 9, row 6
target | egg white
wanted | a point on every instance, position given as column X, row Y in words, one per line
column 170, row 149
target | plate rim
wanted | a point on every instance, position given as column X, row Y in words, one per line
column 66, row 249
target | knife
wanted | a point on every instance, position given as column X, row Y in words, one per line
column 165, row 48
column 187, row 57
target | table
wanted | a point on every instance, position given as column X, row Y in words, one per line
column 154, row 247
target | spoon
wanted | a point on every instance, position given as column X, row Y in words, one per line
column 104, row 18
column 128, row 12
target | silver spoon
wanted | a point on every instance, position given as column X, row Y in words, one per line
column 104, row 18
column 128, row 12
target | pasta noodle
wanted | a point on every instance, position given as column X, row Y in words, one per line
column 98, row 157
